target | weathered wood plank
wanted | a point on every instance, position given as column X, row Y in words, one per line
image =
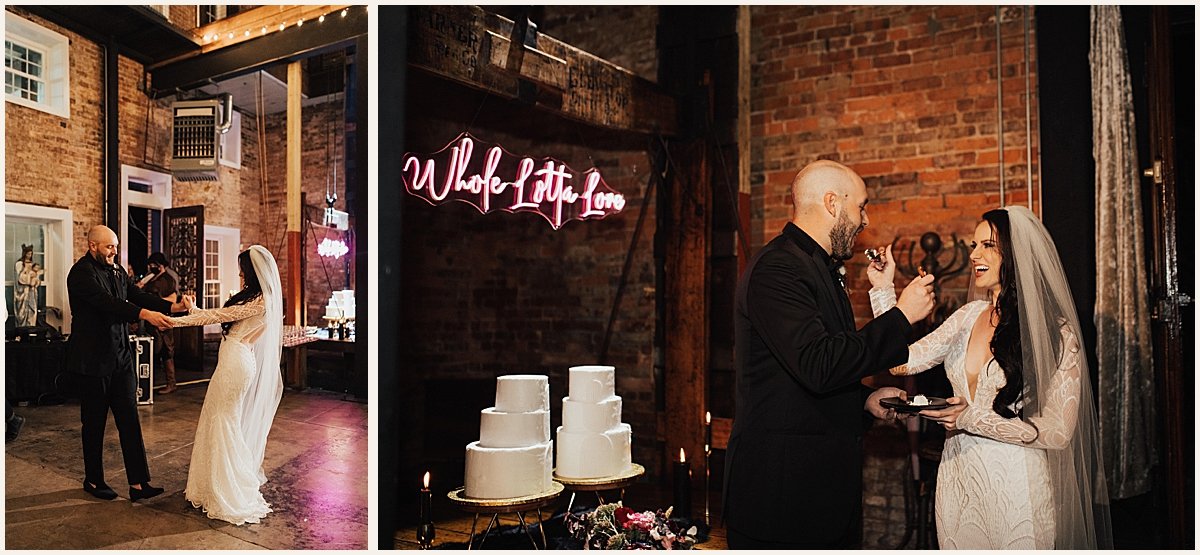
column 471, row 46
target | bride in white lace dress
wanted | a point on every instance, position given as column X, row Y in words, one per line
column 1021, row 463
column 225, row 474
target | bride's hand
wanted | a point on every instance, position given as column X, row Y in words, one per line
column 189, row 302
column 882, row 274
column 949, row 415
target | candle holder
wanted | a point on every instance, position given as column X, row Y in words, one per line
column 425, row 535
column 707, row 454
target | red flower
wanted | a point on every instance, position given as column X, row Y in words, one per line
column 622, row 515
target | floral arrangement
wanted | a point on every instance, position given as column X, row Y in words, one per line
column 613, row 526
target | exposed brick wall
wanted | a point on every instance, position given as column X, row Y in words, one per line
column 904, row 95
column 54, row 161
column 504, row 293
column 320, row 125
column 58, row 162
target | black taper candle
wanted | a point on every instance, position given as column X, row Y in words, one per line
column 683, row 488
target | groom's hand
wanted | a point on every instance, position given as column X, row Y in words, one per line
column 879, row 411
column 156, row 319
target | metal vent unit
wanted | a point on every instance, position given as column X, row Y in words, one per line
column 195, row 140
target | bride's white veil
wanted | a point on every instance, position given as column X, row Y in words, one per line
column 1045, row 306
column 266, row 388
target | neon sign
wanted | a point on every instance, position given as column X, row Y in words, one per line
column 477, row 181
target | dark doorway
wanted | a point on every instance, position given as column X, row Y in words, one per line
column 143, row 237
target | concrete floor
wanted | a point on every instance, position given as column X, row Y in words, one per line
column 316, row 467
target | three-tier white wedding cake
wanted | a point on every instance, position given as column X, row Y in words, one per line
column 592, row 442
column 513, row 456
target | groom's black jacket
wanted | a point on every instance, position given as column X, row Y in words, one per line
column 793, row 468
column 103, row 303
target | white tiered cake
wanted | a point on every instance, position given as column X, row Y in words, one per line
column 592, row 442
column 514, row 453
column 341, row 305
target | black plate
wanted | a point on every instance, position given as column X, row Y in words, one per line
column 900, row 405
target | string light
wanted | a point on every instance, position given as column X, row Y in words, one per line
column 263, row 31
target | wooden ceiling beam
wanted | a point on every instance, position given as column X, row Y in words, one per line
column 471, row 46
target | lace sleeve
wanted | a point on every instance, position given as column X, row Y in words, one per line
column 931, row 350
column 1053, row 428
column 220, row 315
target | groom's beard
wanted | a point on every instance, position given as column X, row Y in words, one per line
column 842, row 236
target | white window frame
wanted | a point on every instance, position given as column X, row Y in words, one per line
column 230, row 239
column 59, row 257
column 162, row 9
column 231, row 143
column 55, row 49
column 159, row 198
column 222, row 12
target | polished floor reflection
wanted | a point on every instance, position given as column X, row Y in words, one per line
column 316, row 466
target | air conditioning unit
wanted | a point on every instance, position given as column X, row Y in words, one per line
column 195, row 137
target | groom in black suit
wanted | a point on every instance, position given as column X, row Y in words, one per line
column 793, row 473
column 103, row 304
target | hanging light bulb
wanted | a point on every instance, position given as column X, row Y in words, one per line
column 345, row 11
column 247, row 32
column 231, row 34
column 282, row 25
column 321, row 19
column 264, row 29
column 300, row 23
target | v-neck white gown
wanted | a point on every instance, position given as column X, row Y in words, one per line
column 993, row 489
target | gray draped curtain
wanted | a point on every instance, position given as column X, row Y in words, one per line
column 1126, row 372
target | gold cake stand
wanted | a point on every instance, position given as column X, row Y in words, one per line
column 618, row 482
column 497, row 507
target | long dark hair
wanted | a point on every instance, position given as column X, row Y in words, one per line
column 252, row 290
column 1006, row 340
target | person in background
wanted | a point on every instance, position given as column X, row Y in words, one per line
column 162, row 281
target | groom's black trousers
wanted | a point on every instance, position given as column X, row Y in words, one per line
column 118, row 393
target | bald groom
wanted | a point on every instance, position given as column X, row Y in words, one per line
column 103, row 304
column 793, row 471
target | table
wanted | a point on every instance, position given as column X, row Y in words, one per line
column 620, row 482
column 497, row 507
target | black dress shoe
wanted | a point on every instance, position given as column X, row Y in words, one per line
column 100, row 490
column 146, row 492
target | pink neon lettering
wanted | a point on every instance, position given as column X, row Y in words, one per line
column 488, row 179
column 478, row 181
column 420, row 177
column 592, row 180
column 523, row 173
